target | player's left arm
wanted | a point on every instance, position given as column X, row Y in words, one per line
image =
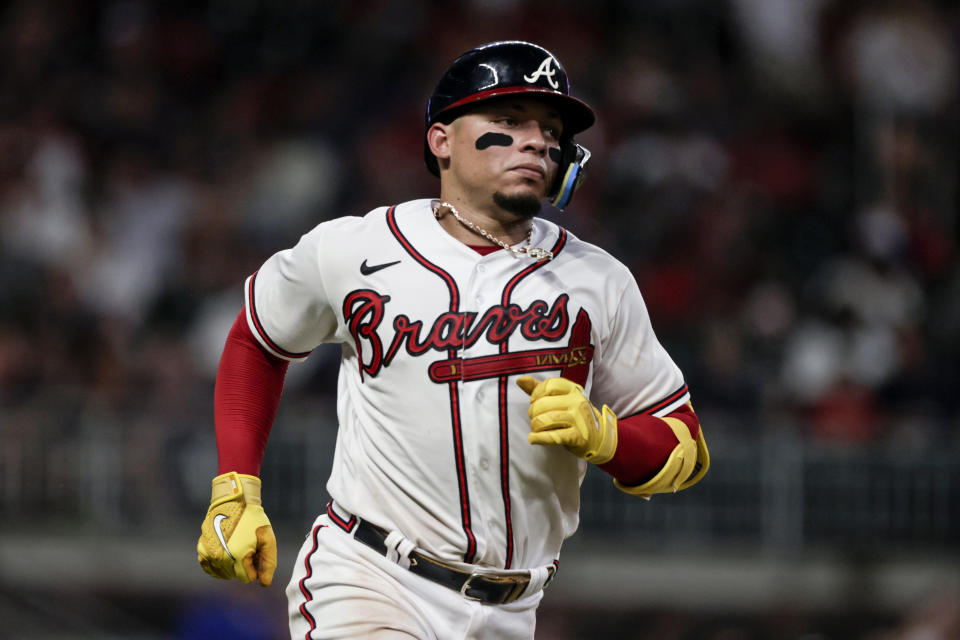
column 645, row 454
column 658, row 446
column 659, row 454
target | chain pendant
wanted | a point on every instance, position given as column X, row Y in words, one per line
column 539, row 254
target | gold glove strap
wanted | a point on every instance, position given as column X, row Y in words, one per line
column 703, row 463
column 235, row 486
column 682, row 431
column 687, row 464
column 608, row 447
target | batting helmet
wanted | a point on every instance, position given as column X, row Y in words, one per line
column 514, row 67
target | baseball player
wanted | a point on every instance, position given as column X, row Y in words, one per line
column 489, row 357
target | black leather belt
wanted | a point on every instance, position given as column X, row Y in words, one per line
column 489, row 589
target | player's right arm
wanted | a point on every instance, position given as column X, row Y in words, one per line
column 236, row 538
column 285, row 316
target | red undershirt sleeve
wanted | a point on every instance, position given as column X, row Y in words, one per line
column 245, row 400
column 644, row 443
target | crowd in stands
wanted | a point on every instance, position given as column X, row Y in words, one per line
column 780, row 176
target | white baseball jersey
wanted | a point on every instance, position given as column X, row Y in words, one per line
column 433, row 429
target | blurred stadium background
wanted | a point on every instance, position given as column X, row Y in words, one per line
column 781, row 176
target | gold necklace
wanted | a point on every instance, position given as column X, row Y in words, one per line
column 536, row 253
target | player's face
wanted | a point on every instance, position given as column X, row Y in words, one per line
column 509, row 147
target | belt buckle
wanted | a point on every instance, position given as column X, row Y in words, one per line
column 466, row 585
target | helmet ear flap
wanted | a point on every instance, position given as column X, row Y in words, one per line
column 570, row 174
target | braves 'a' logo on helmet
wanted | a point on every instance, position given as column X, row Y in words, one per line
column 547, row 70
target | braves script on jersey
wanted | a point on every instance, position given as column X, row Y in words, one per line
column 433, row 429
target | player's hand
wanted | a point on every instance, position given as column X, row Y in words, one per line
column 560, row 413
column 236, row 539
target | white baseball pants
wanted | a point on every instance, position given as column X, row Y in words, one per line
column 341, row 588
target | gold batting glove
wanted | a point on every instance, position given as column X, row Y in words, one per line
column 236, row 539
column 561, row 413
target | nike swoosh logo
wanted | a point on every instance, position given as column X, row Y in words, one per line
column 366, row 269
column 217, row 519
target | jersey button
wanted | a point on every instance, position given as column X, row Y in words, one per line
column 481, row 268
column 484, row 464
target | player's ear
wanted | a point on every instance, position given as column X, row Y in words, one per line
column 439, row 140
